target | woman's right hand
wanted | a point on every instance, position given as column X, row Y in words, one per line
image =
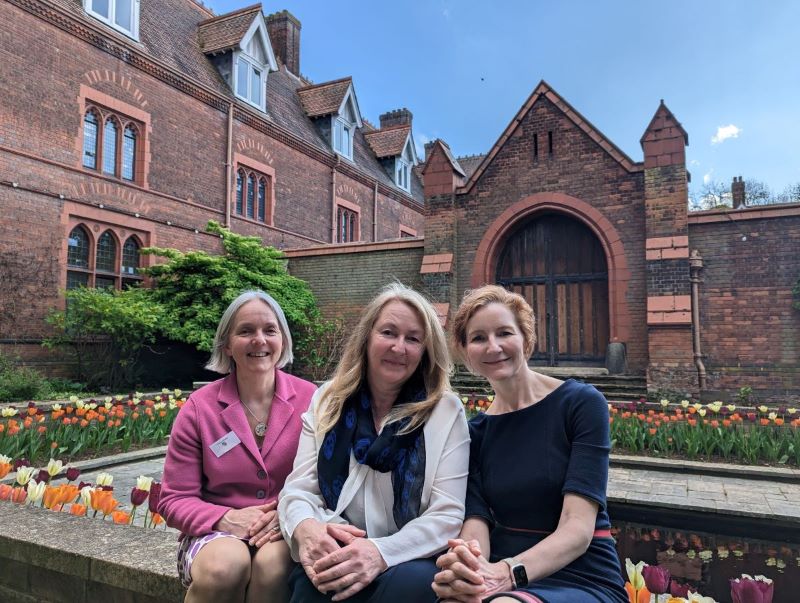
column 315, row 542
column 460, row 578
column 239, row 521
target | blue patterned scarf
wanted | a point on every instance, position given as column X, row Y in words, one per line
column 403, row 455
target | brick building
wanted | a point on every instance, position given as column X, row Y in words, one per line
column 135, row 129
column 130, row 124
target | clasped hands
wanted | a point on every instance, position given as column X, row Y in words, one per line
column 257, row 524
column 467, row 576
column 337, row 557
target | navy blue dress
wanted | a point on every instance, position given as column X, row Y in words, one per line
column 522, row 464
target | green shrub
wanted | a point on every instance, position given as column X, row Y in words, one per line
column 19, row 382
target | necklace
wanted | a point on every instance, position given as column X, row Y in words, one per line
column 261, row 424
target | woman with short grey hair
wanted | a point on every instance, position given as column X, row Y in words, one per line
column 230, row 450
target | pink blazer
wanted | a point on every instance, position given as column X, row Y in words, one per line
column 198, row 488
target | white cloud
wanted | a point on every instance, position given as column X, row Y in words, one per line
column 420, row 140
column 694, row 162
column 707, row 176
column 725, row 132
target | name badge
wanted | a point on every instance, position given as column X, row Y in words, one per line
column 227, row 442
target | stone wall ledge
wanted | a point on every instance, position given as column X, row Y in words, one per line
column 55, row 557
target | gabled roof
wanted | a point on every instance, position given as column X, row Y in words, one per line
column 323, row 99
column 470, row 163
column 388, row 142
column 447, row 153
column 663, row 119
column 226, row 31
column 543, row 90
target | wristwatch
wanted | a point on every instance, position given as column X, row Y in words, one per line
column 519, row 577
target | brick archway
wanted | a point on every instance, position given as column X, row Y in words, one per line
column 491, row 245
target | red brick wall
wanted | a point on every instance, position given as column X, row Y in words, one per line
column 580, row 168
column 750, row 333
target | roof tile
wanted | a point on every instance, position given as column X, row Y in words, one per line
column 226, row 31
column 388, row 142
column 324, row 99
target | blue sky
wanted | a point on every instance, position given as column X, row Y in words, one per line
column 728, row 70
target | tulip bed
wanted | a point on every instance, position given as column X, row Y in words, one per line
column 648, row 583
column 38, row 488
column 87, row 428
column 685, row 429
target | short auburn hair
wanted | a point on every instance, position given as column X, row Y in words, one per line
column 479, row 298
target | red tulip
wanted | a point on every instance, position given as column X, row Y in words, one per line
column 752, row 590
column 21, row 463
column 656, row 579
column 43, row 476
column 73, row 473
column 138, row 496
column 676, row 589
column 155, row 495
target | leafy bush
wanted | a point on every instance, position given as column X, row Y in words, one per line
column 19, row 382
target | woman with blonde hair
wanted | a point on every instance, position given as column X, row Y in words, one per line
column 536, row 526
column 379, row 480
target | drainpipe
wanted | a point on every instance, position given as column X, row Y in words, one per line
column 375, row 212
column 333, row 200
column 695, row 266
column 229, row 167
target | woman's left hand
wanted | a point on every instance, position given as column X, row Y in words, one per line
column 264, row 529
column 349, row 570
column 467, row 576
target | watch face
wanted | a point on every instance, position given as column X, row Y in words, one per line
column 520, row 575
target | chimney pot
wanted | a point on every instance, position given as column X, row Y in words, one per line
column 284, row 34
column 738, row 192
column 395, row 118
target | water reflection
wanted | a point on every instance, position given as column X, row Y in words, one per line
column 708, row 561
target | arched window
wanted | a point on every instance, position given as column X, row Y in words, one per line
column 78, row 258
column 110, row 147
column 106, row 261
column 262, row 198
column 90, row 125
column 129, row 153
column 240, row 192
column 130, row 263
column 251, row 192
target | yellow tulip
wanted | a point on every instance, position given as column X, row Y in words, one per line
column 104, row 479
column 635, row 573
column 664, row 402
column 701, row 412
column 24, row 475
column 731, row 407
column 143, row 482
column 685, row 403
column 86, row 495
column 54, row 467
column 35, row 491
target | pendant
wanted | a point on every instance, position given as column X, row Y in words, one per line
column 261, row 428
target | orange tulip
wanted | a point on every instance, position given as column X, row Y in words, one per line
column 652, row 431
column 157, row 519
column 4, row 468
column 18, row 495
column 692, row 422
column 726, row 422
column 77, row 509
column 778, row 421
column 121, row 517
column 640, row 596
column 5, row 492
column 692, row 410
column 764, row 422
column 84, row 422
column 103, row 501
column 134, row 415
column 51, row 496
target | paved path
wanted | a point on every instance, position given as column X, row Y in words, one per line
column 678, row 490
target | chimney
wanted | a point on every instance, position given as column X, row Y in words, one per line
column 397, row 117
column 284, row 33
column 737, row 192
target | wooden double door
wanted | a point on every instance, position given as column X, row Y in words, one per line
column 559, row 266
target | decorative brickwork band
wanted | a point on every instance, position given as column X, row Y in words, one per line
column 437, row 263
column 669, row 310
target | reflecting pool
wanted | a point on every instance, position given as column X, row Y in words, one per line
column 707, row 560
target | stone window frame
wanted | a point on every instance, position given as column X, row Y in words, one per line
column 95, row 223
column 107, row 107
column 407, row 231
column 352, row 213
column 259, row 171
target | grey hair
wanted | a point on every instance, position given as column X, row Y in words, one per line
column 220, row 362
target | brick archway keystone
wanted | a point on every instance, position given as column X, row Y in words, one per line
column 497, row 233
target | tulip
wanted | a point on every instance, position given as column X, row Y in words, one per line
column 5, row 467
column 43, row 476
column 104, row 479
column 78, row 509
column 698, row 598
column 86, row 495
column 138, row 496
column 21, row 463
column 656, row 579
column 54, row 467
column 157, row 519
column 752, row 590
column 637, row 591
column 676, row 589
column 24, row 475
column 155, row 495
column 120, row 517
column 35, row 491
column 144, row 483
column 51, row 497
column 5, row 492
column 18, row 495
column 73, row 473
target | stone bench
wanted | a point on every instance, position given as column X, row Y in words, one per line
column 48, row 556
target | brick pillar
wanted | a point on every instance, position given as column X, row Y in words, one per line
column 737, row 192
column 440, row 175
column 669, row 315
column 284, row 35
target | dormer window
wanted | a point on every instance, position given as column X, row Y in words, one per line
column 403, row 165
column 122, row 15
column 401, row 175
column 343, row 127
column 249, row 82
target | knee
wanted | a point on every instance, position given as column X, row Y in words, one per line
column 221, row 572
column 272, row 565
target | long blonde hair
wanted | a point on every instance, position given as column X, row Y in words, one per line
column 435, row 365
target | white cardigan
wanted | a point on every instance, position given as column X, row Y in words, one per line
column 367, row 494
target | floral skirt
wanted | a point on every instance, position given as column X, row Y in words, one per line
column 188, row 549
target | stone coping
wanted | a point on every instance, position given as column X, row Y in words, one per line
column 755, row 472
column 83, row 557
